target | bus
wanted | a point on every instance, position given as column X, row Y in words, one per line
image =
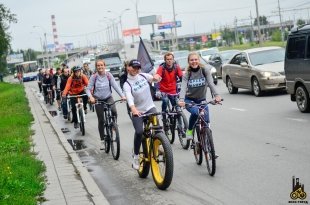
column 26, row 71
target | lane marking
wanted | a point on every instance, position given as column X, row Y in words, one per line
column 238, row 109
column 296, row 119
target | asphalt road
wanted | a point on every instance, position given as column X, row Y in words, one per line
column 262, row 142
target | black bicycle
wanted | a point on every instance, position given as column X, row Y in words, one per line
column 176, row 121
column 155, row 152
column 49, row 97
column 111, row 133
column 202, row 141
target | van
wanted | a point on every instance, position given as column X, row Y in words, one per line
column 113, row 62
column 297, row 66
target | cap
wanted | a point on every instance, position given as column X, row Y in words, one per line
column 76, row 68
column 135, row 63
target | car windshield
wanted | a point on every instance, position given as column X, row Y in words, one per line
column 227, row 55
column 208, row 52
column 267, row 56
column 112, row 61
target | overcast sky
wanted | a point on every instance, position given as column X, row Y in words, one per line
column 78, row 21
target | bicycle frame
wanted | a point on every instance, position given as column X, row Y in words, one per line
column 79, row 106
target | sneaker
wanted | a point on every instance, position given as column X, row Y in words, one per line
column 59, row 108
column 216, row 156
column 102, row 146
column 85, row 111
column 65, row 117
column 135, row 162
column 189, row 134
column 76, row 125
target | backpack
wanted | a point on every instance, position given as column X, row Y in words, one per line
column 109, row 79
column 163, row 65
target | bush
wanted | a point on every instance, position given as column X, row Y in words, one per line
column 276, row 36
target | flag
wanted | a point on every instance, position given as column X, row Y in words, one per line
column 144, row 58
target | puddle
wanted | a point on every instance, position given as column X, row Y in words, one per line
column 53, row 113
column 77, row 144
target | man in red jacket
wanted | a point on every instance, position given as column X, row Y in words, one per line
column 169, row 71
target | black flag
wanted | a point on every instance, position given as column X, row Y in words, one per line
column 144, row 58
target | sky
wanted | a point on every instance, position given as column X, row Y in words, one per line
column 84, row 22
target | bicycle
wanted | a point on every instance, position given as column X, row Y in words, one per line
column 176, row 120
column 155, row 149
column 79, row 111
column 111, row 132
column 204, row 141
column 49, row 97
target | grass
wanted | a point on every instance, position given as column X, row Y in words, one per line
column 21, row 174
column 253, row 45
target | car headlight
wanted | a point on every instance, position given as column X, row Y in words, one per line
column 269, row 74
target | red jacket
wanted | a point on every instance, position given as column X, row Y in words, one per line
column 168, row 83
column 75, row 85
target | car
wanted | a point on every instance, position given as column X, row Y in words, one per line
column 206, row 53
column 296, row 66
column 113, row 62
column 217, row 60
column 183, row 63
column 86, row 60
column 180, row 54
column 256, row 69
column 30, row 76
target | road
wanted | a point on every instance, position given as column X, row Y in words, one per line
column 262, row 143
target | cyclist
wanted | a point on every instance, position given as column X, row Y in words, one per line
column 40, row 78
column 169, row 72
column 48, row 79
column 57, row 82
column 99, row 88
column 194, row 89
column 140, row 101
column 75, row 86
column 86, row 70
column 123, row 79
column 64, row 78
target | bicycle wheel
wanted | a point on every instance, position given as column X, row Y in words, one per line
column 82, row 127
column 197, row 146
column 144, row 159
column 115, row 143
column 162, row 161
column 69, row 115
column 210, row 152
column 182, row 130
column 107, row 140
column 51, row 99
column 169, row 128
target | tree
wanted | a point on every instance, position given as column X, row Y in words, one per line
column 300, row 22
column 262, row 21
column 6, row 17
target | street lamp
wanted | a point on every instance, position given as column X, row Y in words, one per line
column 45, row 50
column 42, row 49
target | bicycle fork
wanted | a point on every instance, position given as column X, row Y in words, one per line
column 78, row 107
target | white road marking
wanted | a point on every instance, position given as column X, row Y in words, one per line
column 238, row 109
column 296, row 119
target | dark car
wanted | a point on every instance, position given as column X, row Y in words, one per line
column 113, row 62
column 218, row 59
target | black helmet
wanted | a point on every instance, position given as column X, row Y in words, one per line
column 76, row 68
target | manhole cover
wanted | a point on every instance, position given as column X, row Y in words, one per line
column 53, row 113
column 77, row 144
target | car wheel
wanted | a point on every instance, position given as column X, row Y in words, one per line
column 302, row 99
column 256, row 87
column 231, row 89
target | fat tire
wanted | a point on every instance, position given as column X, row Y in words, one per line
column 143, row 159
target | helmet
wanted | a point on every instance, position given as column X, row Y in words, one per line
column 76, row 68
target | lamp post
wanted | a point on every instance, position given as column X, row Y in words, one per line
column 45, row 50
column 175, row 27
column 42, row 49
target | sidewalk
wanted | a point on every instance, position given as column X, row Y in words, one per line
column 67, row 180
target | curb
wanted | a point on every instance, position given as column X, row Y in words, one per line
column 90, row 185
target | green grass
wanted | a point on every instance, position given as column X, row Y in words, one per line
column 253, row 45
column 21, row 174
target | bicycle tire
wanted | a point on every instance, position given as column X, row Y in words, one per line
column 107, row 140
column 69, row 115
column 162, row 152
column 145, row 165
column 197, row 149
column 168, row 129
column 46, row 99
column 82, row 126
column 51, row 101
column 115, row 142
column 210, row 153
column 182, row 132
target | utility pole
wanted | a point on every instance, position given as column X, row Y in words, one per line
column 252, row 30
column 282, row 34
column 175, row 28
column 258, row 25
column 236, row 32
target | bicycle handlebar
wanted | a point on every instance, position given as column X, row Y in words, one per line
column 150, row 114
column 110, row 104
column 204, row 103
column 76, row 96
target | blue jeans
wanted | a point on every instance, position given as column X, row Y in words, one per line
column 64, row 106
column 195, row 112
column 165, row 102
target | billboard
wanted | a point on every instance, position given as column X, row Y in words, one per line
column 132, row 32
column 15, row 58
column 168, row 25
column 146, row 20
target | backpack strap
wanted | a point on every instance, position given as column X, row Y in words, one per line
column 109, row 79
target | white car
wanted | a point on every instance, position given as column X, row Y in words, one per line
column 206, row 53
column 86, row 60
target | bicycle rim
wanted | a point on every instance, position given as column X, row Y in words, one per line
column 143, row 159
column 182, row 131
column 210, row 153
column 82, row 127
column 162, row 161
column 197, row 147
column 168, row 130
column 115, row 143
